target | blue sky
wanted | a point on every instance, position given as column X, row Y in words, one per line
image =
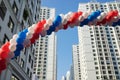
column 65, row 38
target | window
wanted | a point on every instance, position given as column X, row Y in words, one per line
column 5, row 39
column 13, row 77
column 44, row 77
column 22, row 63
column 30, row 75
column 29, row 58
column 11, row 24
column 0, row 28
column 3, row 10
column 32, row 64
column 15, row 9
column 28, row 71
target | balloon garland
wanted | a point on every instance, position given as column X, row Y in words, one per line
column 28, row 36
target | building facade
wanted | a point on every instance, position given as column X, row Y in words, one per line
column 76, row 62
column 45, row 54
column 16, row 15
column 99, row 46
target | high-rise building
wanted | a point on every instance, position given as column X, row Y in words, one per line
column 71, row 73
column 76, row 62
column 45, row 54
column 16, row 15
column 63, row 78
column 99, row 46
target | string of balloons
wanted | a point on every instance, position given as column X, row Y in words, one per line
column 28, row 36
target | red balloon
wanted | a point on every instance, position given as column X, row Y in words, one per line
column 2, row 65
column 32, row 40
column 35, row 36
column 75, row 17
column 4, row 51
column 40, row 26
column 66, row 25
column 111, row 15
column 6, row 47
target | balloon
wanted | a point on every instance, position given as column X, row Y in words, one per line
column 26, row 43
column 13, row 41
column 84, row 22
column 43, row 33
column 25, row 31
column 17, row 53
column 32, row 40
column 39, row 27
column 19, row 40
column 22, row 35
column 35, row 36
column 19, row 47
column 75, row 17
column 12, row 47
column 11, row 55
column 29, row 35
column 15, row 36
column 49, row 21
column 46, row 26
column 2, row 65
column 3, row 54
column 81, row 18
column 5, row 47
column 31, row 29
column 66, row 25
column 85, row 15
column 68, row 15
column 57, row 21
column 94, row 15
column 50, row 30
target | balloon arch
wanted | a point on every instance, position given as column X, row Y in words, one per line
column 28, row 36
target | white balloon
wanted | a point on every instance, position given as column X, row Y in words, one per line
column 46, row 26
column 15, row 36
column 13, row 41
column 29, row 35
column 26, row 43
column 81, row 18
column 12, row 47
column 31, row 29
column 85, row 14
column 103, row 14
column 34, row 25
column 60, row 26
column 68, row 15
column 56, row 29
column 43, row 33
column 49, row 21
column 62, row 16
column 64, row 21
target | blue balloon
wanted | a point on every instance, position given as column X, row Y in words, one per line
column 57, row 21
column 19, row 40
column 19, row 47
column 116, row 23
column 17, row 53
column 25, row 30
column 22, row 35
column 51, row 29
column 84, row 22
column 94, row 15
